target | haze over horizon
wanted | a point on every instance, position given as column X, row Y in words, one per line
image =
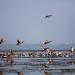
column 25, row 20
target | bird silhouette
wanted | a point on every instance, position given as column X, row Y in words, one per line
column 1, row 40
column 46, row 42
column 48, row 16
column 19, row 42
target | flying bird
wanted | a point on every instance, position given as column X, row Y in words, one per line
column 46, row 42
column 2, row 40
column 19, row 42
column 48, row 16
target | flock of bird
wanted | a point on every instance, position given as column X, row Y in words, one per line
column 19, row 42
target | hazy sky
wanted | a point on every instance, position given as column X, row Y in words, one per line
column 25, row 20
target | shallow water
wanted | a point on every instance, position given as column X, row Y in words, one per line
column 31, row 66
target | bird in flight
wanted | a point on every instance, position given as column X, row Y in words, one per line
column 2, row 40
column 48, row 16
column 19, row 42
column 46, row 42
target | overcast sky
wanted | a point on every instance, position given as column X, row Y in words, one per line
column 25, row 20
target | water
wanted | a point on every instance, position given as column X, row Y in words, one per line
column 33, row 67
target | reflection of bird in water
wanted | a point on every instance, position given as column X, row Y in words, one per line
column 43, row 66
column 2, row 40
column 20, row 73
column 71, row 62
column 9, row 58
column 19, row 42
column 50, row 61
column 46, row 73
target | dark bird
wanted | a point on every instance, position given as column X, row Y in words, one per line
column 46, row 42
column 19, row 42
column 46, row 73
column 45, row 49
column 1, row 40
column 48, row 16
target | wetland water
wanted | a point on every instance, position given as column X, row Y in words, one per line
column 41, row 66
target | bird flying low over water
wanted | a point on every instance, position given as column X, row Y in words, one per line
column 48, row 16
column 19, row 42
column 2, row 40
column 46, row 42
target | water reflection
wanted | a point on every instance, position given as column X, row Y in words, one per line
column 41, row 66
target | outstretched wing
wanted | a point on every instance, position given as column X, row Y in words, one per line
column 2, row 40
column 46, row 42
column 19, row 42
column 48, row 16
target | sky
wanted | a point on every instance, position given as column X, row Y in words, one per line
column 25, row 20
